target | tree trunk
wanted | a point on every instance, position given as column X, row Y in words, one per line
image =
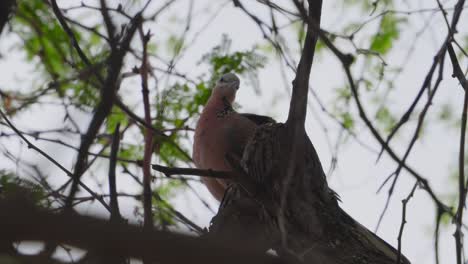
column 297, row 215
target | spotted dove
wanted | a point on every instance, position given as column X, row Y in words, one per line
column 221, row 131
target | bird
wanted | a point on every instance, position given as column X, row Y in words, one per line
column 221, row 131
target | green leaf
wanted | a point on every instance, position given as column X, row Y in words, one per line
column 446, row 113
column 11, row 186
column 347, row 120
column 223, row 61
column 385, row 118
column 169, row 153
column 163, row 213
column 115, row 117
column 445, row 219
column 130, row 151
column 343, row 93
column 389, row 31
column 300, row 32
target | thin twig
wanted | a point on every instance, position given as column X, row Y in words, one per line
column 169, row 171
column 458, row 73
column 403, row 220
column 416, row 133
column 437, row 235
column 176, row 213
column 56, row 163
column 346, row 61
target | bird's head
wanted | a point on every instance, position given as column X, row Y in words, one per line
column 227, row 86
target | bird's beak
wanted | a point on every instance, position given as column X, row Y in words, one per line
column 235, row 85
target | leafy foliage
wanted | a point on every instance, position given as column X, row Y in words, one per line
column 47, row 45
column 347, row 120
column 164, row 211
column 223, row 61
column 183, row 101
column 12, row 186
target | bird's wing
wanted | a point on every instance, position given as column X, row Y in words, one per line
column 239, row 129
column 258, row 119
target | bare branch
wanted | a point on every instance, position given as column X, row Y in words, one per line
column 194, row 172
column 403, row 219
column 56, row 163
column 148, row 134
column 114, row 202
column 458, row 73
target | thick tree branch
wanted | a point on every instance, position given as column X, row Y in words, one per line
column 298, row 104
column 108, row 22
column 25, row 222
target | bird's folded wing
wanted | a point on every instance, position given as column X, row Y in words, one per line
column 258, row 119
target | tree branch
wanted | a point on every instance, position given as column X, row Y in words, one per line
column 403, row 219
column 170, row 171
column 148, row 135
column 56, row 163
column 114, row 202
column 298, row 104
column 25, row 222
column 458, row 73
column 108, row 95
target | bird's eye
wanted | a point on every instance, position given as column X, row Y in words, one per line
column 222, row 79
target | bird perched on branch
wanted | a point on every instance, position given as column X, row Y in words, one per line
column 221, row 131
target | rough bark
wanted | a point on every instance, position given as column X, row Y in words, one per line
column 316, row 229
column 286, row 205
column 24, row 221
